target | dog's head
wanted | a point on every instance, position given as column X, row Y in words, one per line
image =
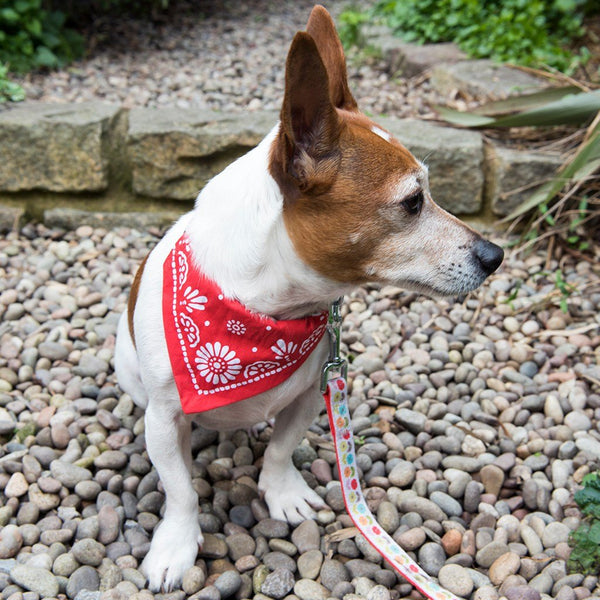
column 356, row 202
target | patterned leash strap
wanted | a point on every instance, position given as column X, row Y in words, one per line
column 339, row 420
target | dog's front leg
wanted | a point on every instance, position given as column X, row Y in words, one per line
column 175, row 543
column 286, row 493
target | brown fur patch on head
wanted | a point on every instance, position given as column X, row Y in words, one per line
column 337, row 231
column 336, row 174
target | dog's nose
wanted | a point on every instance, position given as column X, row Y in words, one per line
column 488, row 254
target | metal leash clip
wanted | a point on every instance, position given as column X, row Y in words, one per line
column 335, row 363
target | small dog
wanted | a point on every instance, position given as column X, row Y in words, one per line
column 326, row 202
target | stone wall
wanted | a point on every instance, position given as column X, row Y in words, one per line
column 91, row 162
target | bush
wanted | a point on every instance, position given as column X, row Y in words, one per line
column 32, row 37
column 35, row 34
column 585, row 540
column 528, row 32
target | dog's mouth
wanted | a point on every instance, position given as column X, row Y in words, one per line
column 445, row 288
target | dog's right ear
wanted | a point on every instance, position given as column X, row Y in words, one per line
column 307, row 147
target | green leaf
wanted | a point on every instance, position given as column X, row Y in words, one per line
column 587, row 496
column 44, row 57
column 465, row 119
column 10, row 16
column 592, row 480
column 570, row 109
column 34, row 27
column 594, row 533
column 22, row 6
column 527, row 101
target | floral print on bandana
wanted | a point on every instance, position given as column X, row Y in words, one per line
column 283, row 349
column 191, row 300
column 217, row 364
column 236, row 327
column 220, row 352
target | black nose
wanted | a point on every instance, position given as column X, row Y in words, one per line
column 489, row 255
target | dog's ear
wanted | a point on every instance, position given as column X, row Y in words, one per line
column 321, row 28
column 310, row 126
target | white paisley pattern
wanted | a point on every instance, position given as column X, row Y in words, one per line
column 219, row 351
column 260, row 367
column 190, row 330
column 312, row 339
column 182, row 267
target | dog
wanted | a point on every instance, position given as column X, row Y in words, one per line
column 326, row 202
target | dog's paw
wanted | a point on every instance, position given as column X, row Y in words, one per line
column 173, row 551
column 288, row 496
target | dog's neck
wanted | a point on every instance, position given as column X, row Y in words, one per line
column 240, row 241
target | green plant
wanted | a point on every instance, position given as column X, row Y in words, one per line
column 350, row 23
column 575, row 237
column 585, row 540
column 25, row 431
column 529, row 32
column 32, row 37
column 565, row 289
column 9, row 90
column 514, row 293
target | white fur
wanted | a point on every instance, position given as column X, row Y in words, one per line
column 407, row 185
column 381, row 133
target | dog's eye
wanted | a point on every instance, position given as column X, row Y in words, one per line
column 413, row 203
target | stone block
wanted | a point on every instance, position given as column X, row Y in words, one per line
column 512, row 176
column 484, row 79
column 414, row 59
column 454, row 158
column 173, row 152
column 71, row 218
column 10, row 218
column 55, row 147
column 406, row 58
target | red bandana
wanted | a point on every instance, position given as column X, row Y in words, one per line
column 220, row 352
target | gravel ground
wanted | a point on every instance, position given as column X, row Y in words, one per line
column 476, row 420
column 226, row 56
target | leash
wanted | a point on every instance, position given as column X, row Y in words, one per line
column 334, row 389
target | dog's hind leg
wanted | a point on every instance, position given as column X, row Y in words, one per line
column 286, row 493
column 127, row 366
column 175, row 543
